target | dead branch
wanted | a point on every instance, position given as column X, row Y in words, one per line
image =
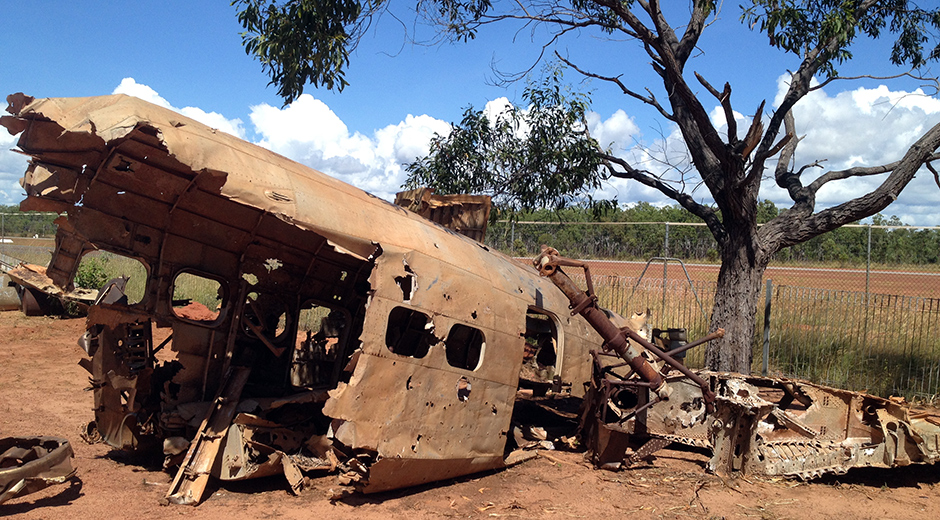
column 649, row 100
column 724, row 98
column 936, row 176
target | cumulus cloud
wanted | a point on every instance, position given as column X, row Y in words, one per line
column 130, row 87
column 857, row 127
column 309, row 132
column 12, row 166
column 618, row 132
column 864, row 127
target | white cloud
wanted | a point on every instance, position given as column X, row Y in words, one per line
column 496, row 107
column 306, row 131
column 213, row 119
column 309, row 132
column 12, row 166
column 617, row 132
column 863, row 127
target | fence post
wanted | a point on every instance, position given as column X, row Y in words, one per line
column 868, row 267
column 666, row 242
column 766, row 362
column 512, row 234
column 665, row 267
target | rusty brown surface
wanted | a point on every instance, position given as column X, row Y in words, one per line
column 382, row 347
column 765, row 426
column 34, row 277
column 465, row 214
column 29, row 464
column 277, row 238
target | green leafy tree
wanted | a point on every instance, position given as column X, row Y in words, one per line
column 308, row 40
column 539, row 156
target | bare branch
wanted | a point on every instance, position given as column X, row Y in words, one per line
column 932, row 82
column 646, row 178
column 649, row 100
column 936, row 176
column 858, row 171
column 724, row 98
column 753, row 135
column 813, row 60
column 692, row 32
column 901, row 172
column 785, row 178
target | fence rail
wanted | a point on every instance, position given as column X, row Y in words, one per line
column 858, row 308
column 869, row 325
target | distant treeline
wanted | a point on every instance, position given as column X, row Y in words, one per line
column 582, row 237
column 16, row 223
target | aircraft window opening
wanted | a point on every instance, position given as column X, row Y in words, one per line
column 318, row 345
column 464, row 347
column 540, row 359
column 409, row 333
column 197, row 297
column 120, row 279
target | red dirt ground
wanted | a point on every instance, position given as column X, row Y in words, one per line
column 908, row 283
column 41, row 393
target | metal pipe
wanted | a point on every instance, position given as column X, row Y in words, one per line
column 720, row 333
column 586, row 305
column 549, row 264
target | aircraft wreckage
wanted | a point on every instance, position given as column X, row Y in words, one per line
column 349, row 335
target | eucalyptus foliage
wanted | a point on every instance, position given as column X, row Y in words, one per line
column 539, row 155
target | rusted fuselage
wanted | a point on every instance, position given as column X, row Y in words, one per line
column 316, row 328
column 350, row 334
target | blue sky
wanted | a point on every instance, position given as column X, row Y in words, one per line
column 188, row 56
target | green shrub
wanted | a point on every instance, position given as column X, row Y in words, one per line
column 92, row 272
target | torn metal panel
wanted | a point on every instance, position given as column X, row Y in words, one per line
column 191, row 479
column 29, row 464
column 465, row 214
column 37, row 290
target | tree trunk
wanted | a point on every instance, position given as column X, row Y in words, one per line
column 735, row 310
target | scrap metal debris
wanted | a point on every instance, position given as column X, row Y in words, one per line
column 29, row 464
column 753, row 425
column 373, row 343
column 39, row 295
column 316, row 329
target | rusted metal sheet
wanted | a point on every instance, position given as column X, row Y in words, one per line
column 411, row 335
column 37, row 291
column 373, row 344
column 465, row 214
column 29, row 464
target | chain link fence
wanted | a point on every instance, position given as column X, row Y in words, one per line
column 857, row 308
